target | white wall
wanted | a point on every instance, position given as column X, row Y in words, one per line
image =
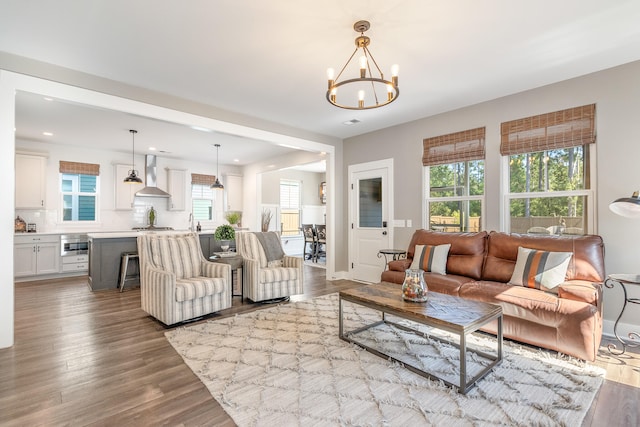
column 616, row 93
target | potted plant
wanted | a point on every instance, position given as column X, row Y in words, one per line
column 225, row 233
column 233, row 217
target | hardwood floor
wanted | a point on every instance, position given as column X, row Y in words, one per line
column 95, row 358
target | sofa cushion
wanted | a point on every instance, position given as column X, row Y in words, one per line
column 542, row 270
column 280, row 274
column 587, row 262
column 198, row 287
column 431, row 258
column 178, row 254
column 517, row 301
column 466, row 254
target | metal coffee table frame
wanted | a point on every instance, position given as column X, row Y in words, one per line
column 461, row 330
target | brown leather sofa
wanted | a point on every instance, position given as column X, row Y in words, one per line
column 480, row 265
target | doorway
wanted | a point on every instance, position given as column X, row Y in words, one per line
column 370, row 218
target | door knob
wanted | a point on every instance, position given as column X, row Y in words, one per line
column 384, row 233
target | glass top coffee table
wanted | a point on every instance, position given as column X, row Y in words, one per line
column 456, row 317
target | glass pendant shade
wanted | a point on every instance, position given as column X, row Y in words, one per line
column 627, row 206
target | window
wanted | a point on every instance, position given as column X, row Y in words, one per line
column 454, row 180
column 549, row 163
column 290, row 207
column 79, row 190
column 203, row 197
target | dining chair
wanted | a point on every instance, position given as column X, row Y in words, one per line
column 309, row 232
column 321, row 241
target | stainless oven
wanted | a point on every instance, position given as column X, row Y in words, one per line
column 74, row 244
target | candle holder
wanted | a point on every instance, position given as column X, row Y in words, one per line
column 414, row 288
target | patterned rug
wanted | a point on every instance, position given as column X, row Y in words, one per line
column 285, row 366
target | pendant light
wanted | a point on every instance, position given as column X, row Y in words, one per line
column 133, row 177
column 217, row 185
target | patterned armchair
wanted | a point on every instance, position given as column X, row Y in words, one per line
column 267, row 279
column 176, row 282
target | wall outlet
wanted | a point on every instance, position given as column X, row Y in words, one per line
column 409, row 223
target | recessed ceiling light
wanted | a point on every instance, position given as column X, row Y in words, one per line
column 47, row 133
column 236, row 160
column 46, row 98
column 351, row 122
column 201, row 129
column 289, row 146
column 152, row 148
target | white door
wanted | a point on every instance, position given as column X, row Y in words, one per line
column 370, row 213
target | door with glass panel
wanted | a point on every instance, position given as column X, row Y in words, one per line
column 369, row 215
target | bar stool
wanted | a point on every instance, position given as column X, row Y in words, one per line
column 124, row 266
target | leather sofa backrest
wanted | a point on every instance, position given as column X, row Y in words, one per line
column 587, row 262
column 466, row 254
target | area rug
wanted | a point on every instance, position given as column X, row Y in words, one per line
column 285, row 366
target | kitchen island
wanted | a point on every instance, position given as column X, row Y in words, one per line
column 105, row 252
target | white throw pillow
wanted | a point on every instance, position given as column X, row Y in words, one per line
column 431, row 258
column 540, row 269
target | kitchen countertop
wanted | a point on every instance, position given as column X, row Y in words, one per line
column 136, row 233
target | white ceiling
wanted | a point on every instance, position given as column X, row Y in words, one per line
column 267, row 59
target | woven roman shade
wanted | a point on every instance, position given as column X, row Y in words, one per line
column 79, row 168
column 198, row 178
column 455, row 147
column 560, row 129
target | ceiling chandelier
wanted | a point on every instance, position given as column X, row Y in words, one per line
column 217, row 185
column 367, row 90
column 133, row 177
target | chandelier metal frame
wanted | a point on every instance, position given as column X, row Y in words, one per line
column 366, row 75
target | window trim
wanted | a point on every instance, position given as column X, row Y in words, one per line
column 214, row 201
column 297, row 183
column 62, row 193
column 426, row 175
column 590, row 193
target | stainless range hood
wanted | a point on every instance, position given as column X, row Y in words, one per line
column 150, row 173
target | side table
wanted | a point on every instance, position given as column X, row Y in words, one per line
column 395, row 254
column 622, row 280
column 235, row 262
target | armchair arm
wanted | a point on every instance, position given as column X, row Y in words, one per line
column 250, row 268
column 157, row 293
column 216, row 269
column 292, row 261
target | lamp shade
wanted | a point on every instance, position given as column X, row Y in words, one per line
column 627, row 206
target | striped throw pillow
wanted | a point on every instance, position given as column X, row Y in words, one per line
column 540, row 269
column 431, row 258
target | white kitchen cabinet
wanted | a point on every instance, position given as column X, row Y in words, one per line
column 125, row 191
column 36, row 254
column 79, row 263
column 30, row 181
column 177, row 187
column 233, row 187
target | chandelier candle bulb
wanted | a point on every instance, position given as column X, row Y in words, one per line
column 363, row 67
column 330, row 76
column 395, row 68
